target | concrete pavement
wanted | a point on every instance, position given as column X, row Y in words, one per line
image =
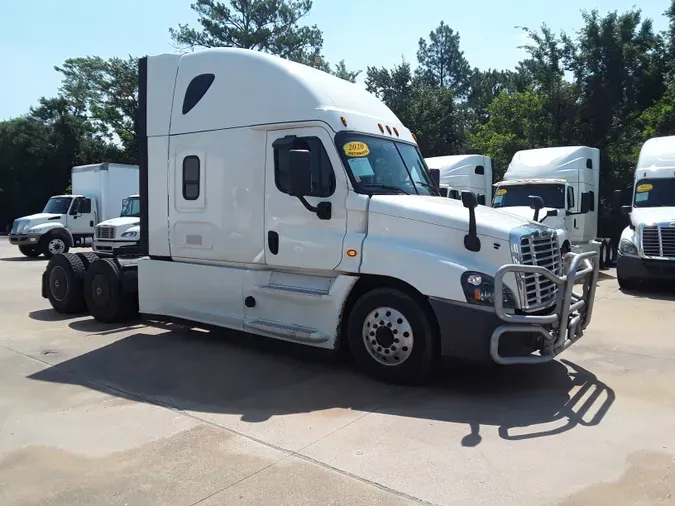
column 132, row 414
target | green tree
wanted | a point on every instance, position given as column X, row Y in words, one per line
column 271, row 26
column 442, row 62
column 106, row 93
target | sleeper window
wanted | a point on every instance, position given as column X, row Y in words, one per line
column 191, row 175
column 323, row 177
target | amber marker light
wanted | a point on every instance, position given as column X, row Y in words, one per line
column 381, row 128
column 351, row 252
column 344, row 120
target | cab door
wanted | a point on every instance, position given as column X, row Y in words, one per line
column 81, row 217
column 294, row 236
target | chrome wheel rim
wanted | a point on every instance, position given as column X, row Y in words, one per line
column 56, row 246
column 388, row 336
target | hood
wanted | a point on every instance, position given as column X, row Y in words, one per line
column 121, row 222
column 652, row 215
column 447, row 213
column 25, row 222
column 40, row 217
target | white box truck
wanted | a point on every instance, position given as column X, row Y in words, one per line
column 566, row 180
column 68, row 220
column 460, row 173
column 647, row 246
column 120, row 234
column 285, row 202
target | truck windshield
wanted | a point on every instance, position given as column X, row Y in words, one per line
column 386, row 166
column 655, row 193
column 57, row 205
column 511, row 196
column 131, row 207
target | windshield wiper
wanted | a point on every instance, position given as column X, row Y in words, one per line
column 429, row 186
column 386, row 187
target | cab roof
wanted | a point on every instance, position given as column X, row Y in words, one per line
column 516, row 182
column 221, row 88
column 657, row 153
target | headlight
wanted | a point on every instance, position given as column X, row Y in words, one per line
column 130, row 234
column 628, row 248
column 479, row 289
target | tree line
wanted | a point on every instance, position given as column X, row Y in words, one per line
column 611, row 85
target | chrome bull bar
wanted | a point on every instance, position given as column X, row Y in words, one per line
column 572, row 312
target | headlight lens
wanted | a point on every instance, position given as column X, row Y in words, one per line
column 130, row 234
column 479, row 289
column 628, row 248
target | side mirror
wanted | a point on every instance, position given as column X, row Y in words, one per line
column 454, row 194
column 551, row 213
column 471, row 240
column 616, row 200
column 480, row 198
column 585, row 203
column 536, row 203
column 444, row 192
column 626, row 209
column 469, row 199
column 435, row 176
column 300, row 177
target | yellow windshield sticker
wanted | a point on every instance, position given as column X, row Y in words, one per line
column 501, row 191
column 356, row 148
column 644, row 188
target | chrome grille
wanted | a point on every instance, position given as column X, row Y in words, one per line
column 541, row 250
column 658, row 241
column 105, row 232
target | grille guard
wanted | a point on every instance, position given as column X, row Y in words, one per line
column 572, row 312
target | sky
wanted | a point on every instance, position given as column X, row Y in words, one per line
column 37, row 35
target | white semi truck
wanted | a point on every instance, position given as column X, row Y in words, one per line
column 647, row 246
column 121, row 233
column 285, row 202
column 566, row 180
column 68, row 221
column 464, row 173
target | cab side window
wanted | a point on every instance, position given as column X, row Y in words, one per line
column 191, row 177
column 323, row 177
column 85, row 206
column 570, row 197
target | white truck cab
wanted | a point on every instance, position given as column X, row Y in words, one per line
column 285, row 202
column 647, row 246
column 68, row 221
column 567, row 181
column 119, row 234
column 458, row 173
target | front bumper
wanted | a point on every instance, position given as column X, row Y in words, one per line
column 24, row 239
column 644, row 268
column 491, row 334
column 110, row 247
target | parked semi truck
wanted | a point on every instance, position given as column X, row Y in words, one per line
column 303, row 210
column 566, row 180
column 647, row 246
column 464, row 173
column 68, row 221
column 121, row 233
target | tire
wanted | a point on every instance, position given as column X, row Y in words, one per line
column 406, row 321
column 64, row 279
column 53, row 243
column 564, row 250
column 29, row 251
column 103, row 292
column 87, row 258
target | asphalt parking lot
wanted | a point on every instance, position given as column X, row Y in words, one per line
column 103, row 414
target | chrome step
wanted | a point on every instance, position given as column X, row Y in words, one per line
column 292, row 332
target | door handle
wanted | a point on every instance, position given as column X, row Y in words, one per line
column 575, row 223
column 273, row 242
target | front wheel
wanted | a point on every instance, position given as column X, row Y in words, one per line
column 391, row 337
column 29, row 251
column 53, row 244
column 626, row 283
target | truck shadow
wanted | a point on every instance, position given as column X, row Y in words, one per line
column 258, row 379
column 655, row 291
column 24, row 259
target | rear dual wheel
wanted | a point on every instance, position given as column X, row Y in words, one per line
column 64, row 279
column 104, row 292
